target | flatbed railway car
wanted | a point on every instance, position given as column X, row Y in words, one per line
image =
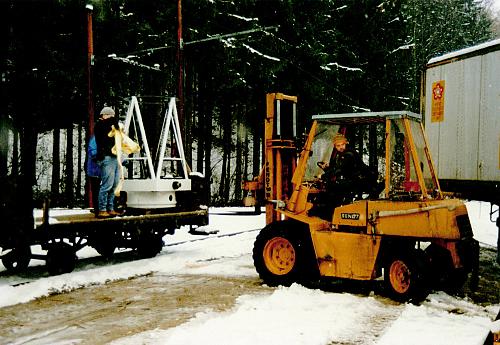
column 158, row 197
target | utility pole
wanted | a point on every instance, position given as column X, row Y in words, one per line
column 90, row 97
column 180, row 61
column 90, row 62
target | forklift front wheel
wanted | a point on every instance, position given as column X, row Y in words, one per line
column 283, row 254
column 279, row 255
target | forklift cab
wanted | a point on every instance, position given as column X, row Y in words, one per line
column 402, row 162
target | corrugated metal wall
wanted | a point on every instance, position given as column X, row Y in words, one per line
column 465, row 145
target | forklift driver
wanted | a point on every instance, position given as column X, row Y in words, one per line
column 346, row 176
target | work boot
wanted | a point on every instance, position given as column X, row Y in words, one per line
column 114, row 213
column 103, row 214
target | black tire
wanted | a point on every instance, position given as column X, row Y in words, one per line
column 61, row 258
column 468, row 251
column 17, row 260
column 444, row 275
column 405, row 276
column 283, row 254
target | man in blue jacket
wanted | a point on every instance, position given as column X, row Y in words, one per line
column 108, row 162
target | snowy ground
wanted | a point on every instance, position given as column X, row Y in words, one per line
column 293, row 315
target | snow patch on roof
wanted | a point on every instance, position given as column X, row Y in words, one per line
column 464, row 51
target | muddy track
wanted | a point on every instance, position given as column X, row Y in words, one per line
column 101, row 313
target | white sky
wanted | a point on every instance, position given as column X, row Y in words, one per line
column 496, row 5
column 291, row 316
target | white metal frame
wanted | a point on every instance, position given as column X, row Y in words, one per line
column 133, row 107
column 171, row 120
column 157, row 191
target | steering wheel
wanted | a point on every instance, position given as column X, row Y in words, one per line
column 321, row 164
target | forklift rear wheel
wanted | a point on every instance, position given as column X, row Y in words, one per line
column 404, row 276
column 17, row 260
column 61, row 258
column 443, row 275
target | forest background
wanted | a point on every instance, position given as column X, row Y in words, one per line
column 335, row 55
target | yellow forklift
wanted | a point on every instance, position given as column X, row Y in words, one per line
column 407, row 232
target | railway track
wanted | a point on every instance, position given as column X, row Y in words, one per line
column 38, row 271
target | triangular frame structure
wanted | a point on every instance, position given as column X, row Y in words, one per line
column 171, row 122
column 133, row 108
column 157, row 190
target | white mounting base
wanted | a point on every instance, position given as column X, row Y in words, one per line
column 157, row 193
column 151, row 199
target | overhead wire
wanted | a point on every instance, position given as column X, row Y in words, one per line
column 319, row 79
column 356, row 106
column 221, row 37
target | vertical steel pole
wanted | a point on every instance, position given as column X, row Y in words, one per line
column 180, row 61
column 90, row 62
column 90, row 98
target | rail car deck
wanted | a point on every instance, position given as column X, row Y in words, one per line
column 63, row 234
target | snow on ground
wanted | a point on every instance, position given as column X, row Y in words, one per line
column 301, row 316
column 293, row 315
column 485, row 231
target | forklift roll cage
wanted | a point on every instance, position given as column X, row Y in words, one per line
column 411, row 126
column 288, row 181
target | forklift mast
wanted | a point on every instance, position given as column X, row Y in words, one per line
column 280, row 150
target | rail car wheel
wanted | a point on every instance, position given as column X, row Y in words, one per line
column 405, row 276
column 105, row 245
column 17, row 260
column 282, row 254
column 61, row 258
column 149, row 245
column 106, row 250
